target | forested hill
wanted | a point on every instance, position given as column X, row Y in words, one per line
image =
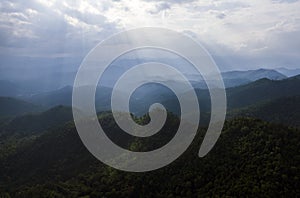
column 262, row 90
column 285, row 111
column 252, row 158
column 12, row 107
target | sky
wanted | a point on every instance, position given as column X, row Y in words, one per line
column 50, row 35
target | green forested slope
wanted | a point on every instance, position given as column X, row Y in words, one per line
column 252, row 158
column 262, row 90
column 283, row 110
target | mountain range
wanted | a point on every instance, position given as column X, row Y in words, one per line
column 237, row 97
column 257, row 155
column 33, row 87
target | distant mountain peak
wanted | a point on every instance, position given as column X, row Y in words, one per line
column 289, row 72
column 253, row 75
column 296, row 77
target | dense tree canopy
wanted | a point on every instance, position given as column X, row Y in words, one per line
column 251, row 158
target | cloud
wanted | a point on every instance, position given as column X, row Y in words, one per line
column 221, row 16
column 51, row 27
column 285, row 1
column 161, row 7
column 238, row 33
column 173, row 1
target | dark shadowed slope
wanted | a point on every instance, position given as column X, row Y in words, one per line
column 283, row 110
column 35, row 123
column 262, row 90
column 12, row 107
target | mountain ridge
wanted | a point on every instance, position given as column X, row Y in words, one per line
column 11, row 107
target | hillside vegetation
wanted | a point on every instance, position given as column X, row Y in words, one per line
column 252, row 158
